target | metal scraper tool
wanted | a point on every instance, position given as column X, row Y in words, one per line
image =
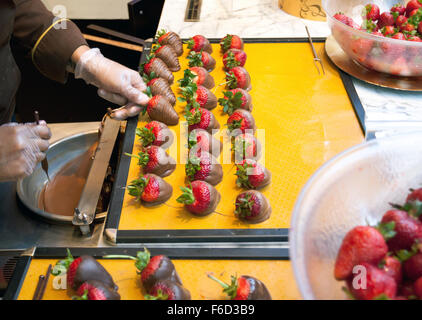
column 44, row 163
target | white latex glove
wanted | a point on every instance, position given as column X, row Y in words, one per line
column 22, row 146
column 117, row 83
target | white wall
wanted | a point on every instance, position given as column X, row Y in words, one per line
column 92, row 9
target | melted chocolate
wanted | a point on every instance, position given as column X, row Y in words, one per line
column 166, row 191
column 178, row 291
column 165, row 271
column 109, row 293
column 258, row 290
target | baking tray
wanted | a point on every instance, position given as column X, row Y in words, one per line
column 269, row 265
column 307, row 118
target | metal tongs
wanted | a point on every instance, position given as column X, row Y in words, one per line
column 316, row 58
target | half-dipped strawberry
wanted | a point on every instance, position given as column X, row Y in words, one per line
column 252, row 175
column 200, row 118
column 197, row 75
column 231, row 41
column 246, row 146
column 203, row 166
column 172, row 39
column 238, row 77
column 158, row 108
column 241, row 121
column 168, row 290
column 204, row 97
column 158, row 66
column 168, row 55
column 199, row 43
column 150, row 189
column 200, row 140
column 159, row 86
column 201, row 59
column 200, row 198
column 244, row 288
column 155, row 160
column 234, row 58
column 95, row 290
column 235, row 99
column 155, row 133
column 252, row 207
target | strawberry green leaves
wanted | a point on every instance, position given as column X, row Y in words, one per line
column 404, row 254
column 187, row 196
column 143, row 158
column 231, row 102
column 195, row 59
column 136, row 187
column 146, row 136
column 193, row 166
column 159, row 296
column 242, row 175
column 230, row 290
column 193, row 117
column 62, row 266
column 141, row 260
column 187, row 79
column 244, row 206
column 387, row 230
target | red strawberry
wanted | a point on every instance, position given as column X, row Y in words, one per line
column 159, row 86
column 201, row 141
column 202, row 77
column 154, row 159
column 205, row 98
column 406, row 28
column 346, row 20
column 412, row 267
column 252, row 207
column 168, row 290
column 96, row 290
column 361, row 244
column 407, row 290
column 235, row 99
column 386, row 19
column 201, row 59
column 407, row 229
column 200, row 198
column 238, row 77
column 412, row 5
column 399, row 36
column 203, row 166
column 399, row 67
column 401, row 20
column 392, row 266
column 160, row 109
column 244, row 288
column 241, row 121
column 200, row 118
column 379, row 285
column 388, row 31
column 399, row 8
column 171, row 39
column 361, row 47
column 199, row 43
column 418, row 287
column 168, row 55
column 372, row 12
column 155, row 133
column 151, row 189
column 413, row 12
column 414, row 195
column 158, row 66
column 231, row 41
column 246, row 146
column 252, row 175
column 234, row 58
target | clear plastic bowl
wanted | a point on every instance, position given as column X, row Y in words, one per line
column 352, row 189
column 392, row 56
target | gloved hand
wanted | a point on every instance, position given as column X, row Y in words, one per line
column 22, row 146
column 117, row 83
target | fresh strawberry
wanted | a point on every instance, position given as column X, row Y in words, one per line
column 361, row 244
column 236, row 99
column 407, row 229
column 252, row 175
column 231, row 41
column 171, row 39
column 399, row 8
column 418, row 287
column 399, row 67
column 346, row 20
column 407, row 28
column 415, row 194
column 412, row 267
column 388, row 31
column 238, row 77
column 401, row 20
column 155, row 133
column 203, row 166
column 412, row 5
column 234, row 58
column 376, row 284
column 158, row 108
column 246, row 146
column 241, row 121
column 159, row 86
column 199, row 43
column 392, row 266
column 244, row 288
column 386, row 19
column 201, row 141
column 413, row 12
column 200, row 118
column 95, row 290
column 155, row 160
column 407, row 290
column 361, row 47
column 201, row 59
column 168, row 290
column 150, row 189
column 168, row 55
column 82, row 269
column 158, row 66
column 372, row 12
column 200, row 198
column 399, row 36
column 252, row 207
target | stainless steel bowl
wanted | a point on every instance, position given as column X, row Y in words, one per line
column 59, row 154
column 352, row 189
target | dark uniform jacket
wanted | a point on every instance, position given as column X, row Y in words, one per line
column 50, row 48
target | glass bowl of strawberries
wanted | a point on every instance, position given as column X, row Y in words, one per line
column 382, row 35
column 358, row 221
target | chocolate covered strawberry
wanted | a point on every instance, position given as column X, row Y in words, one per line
column 200, row 140
column 150, row 189
column 234, row 58
column 172, row 39
column 201, row 59
column 158, row 66
column 200, row 198
column 199, row 43
column 155, row 133
column 168, row 290
column 200, row 118
column 252, row 175
column 241, row 121
column 95, row 290
column 158, row 108
column 204, row 97
column 197, row 75
column 252, row 207
column 203, row 166
column 168, row 55
column 159, row 86
column 362, row 244
column 235, row 99
column 246, row 146
column 231, row 41
column 244, row 288
column 238, row 77
column 156, row 160
column 152, row 269
column 82, row 269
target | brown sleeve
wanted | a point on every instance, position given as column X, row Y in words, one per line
column 50, row 47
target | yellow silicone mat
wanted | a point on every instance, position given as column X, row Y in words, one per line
column 307, row 119
column 276, row 275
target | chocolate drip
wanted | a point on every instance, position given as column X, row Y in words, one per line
column 165, row 271
column 258, row 290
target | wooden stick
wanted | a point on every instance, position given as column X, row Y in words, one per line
column 44, row 284
column 38, row 288
column 115, row 43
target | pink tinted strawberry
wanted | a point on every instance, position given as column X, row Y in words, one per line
column 234, row 58
column 372, row 12
column 241, row 121
column 393, row 267
column 252, row 175
column 231, row 41
column 199, row 43
column 200, row 198
column 386, row 19
column 361, row 244
column 238, row 77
